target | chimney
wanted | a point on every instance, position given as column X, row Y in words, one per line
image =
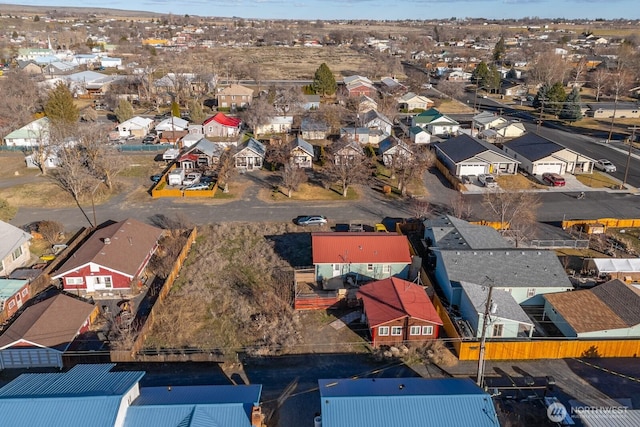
column 256, row 417
column 107, row 240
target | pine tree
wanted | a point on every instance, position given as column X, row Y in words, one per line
column 323, row 81
column 541, row 97
column 492, row 81
column 571, row 111
column 480, row 73
column 196, row 115
column 124, row 111
column 556, row 96
column 499, row 50
column 60, row 108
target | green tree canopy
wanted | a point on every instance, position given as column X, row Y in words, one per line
column 499, row 50
column 175, row 109
column 124, row 111
column 60, row 108
column 493, row 79
column 480, row 72
column 556, row 96
column 323, row 81
column 195, row 111
column 571, row 111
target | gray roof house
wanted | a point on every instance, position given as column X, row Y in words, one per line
column 14, row 248
column 465, row 155
column 251, row 156
column 538, row 155
column 394, row 151
column 449, row 232
column 609, row 109
column 302, row 153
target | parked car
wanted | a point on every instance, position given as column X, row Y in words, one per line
column 207, row 179
column 156, row 178
column 605, row 165
column 487, row 180
column 553, row 179
column 191, row 178
column 311, row 220
column 150, row 139
column 197, row 186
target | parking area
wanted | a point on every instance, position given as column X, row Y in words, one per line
column 572, row 184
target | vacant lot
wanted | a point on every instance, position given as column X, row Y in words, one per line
column 235, row 291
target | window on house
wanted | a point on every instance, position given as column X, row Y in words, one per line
column 94, row 268
column 25, row 292
column 427, row 330
column 74, row 280
column 386, row 269
column 497, row 330
column 369, row 267
column 12, row 304
column 531, row 292
column 17, row 253
column 415, row 330
column 103, row 280
column 383, row 331
column 396, row 330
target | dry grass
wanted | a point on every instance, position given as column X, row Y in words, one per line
column 12, row 165
column 308, row 192
column 448, row 106
column 517, row 182
column 597, row 180
column 37, row 195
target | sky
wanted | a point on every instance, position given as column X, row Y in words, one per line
column 369, row 9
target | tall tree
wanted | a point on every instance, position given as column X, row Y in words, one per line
column 499, row 50
column 598, row 80
column 619, row 83
column 347, row 170
column 292, row 177
column 516, row 209
column 124, row 111
column 175, row 109
column 196, row 114
column 556, row 96
column 61, row 109
column 324, row 83
column 571, row 110
column 493, row 79
column 480, row 73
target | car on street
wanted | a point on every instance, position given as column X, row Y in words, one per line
column 197, row 186
column 487, row 180
column 191, row 178
column 150, row 139
column 553, row 179
column 605, row 165
column 311, row 220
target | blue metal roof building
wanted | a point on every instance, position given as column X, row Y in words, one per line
column 405, row 402
column 86, row 395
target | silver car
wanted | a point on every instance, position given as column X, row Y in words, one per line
column 605, row 165
column 487, row 180
column 311, row 220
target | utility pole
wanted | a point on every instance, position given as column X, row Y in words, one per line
column 540, row 117
column 483, row 337
column 626, row 169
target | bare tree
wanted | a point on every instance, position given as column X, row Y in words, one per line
column 259, row 112
column 578, row 71
column 460, row 208
column 515, row 209
column 102, row 161
column 548, row 68
column 421, row 208
column 227, row 168
column 618, row 85
column 292, row 177
column 50, row 231
column 451, row 89
column 598, row 80
column 348, row 169
column 410, row 167
column 20, row 99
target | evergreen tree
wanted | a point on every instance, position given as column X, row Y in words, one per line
column 124, row 111
column 499, row 50
column 195, row 111
column 60, row 108
column 556, row 96
column 541, row 97
column 571, row 111
column 323, row 81
column 480, row 73
column 492, row 81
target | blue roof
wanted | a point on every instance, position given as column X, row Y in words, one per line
column 198, row 394
column 8, row 287
column 407, row 402
column 79, row 381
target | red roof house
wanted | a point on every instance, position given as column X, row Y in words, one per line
column 111, row 258
column 360, row 256
column 221, row 125
column 398, row 311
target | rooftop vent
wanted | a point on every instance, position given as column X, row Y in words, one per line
column 107, row 240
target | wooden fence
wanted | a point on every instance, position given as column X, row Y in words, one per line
column 455, row 182
column 159, row 189
column 131, row 355
column 607, row 222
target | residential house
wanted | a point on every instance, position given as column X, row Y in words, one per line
column 302, row 153
column 172, row 124
column 363, row 135
column 397, row 312
column 466, row 155
column 609, row 310
column 412, row 102
column 363, row 256
column 203, row 154
column 30, row 67
column 357, row 86
column 251, row 156
column 419, row 135
column 109, row 62
column 32, row 134
column 190, row 139
column 90, row 82
column 277, row 124
column 44, row 331
column 347, row 153
column 174, row 82
column 394, row 152
column 96, row 395
column 486, row 120
column 607, row 110
column 625, row 269
column 406, row 402
column 14, row 248
column 221, row 125
column 509, row 88
column 373, row 120
column 435, row 122
column 366, row 103
column 503, row 132
column 113, row 259
column 390, row 85
column 13, row 294
column 136, row 126
column 234, row 97
column 538, row 155
column 314, row 128
column 311, row 102
column 458, row 76
column 59, row 68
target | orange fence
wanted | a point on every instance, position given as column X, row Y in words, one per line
column 498, row 225
column 160, row 188
column 607, row 222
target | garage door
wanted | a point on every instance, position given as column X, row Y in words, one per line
column 541, row 168
column 27, row 358
column 473, row 169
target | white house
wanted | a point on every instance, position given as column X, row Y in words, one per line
column 32, row 134
column 278, row 124
column 419, row 135
column 14, row 248
column 135, row 126
column 172, row 124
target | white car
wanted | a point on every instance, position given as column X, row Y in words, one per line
column 605, row 165
column 191, row 178
column 487, row 180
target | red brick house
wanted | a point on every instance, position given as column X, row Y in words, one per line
column 111, row 259
column 13, row 293
column 398, row 311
